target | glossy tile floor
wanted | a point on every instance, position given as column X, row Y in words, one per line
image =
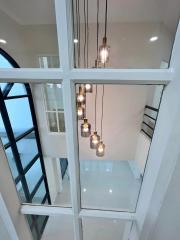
column 93, row 229
column 107, row 185
column 58, row 228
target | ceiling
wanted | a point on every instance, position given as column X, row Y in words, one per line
column 42, row 11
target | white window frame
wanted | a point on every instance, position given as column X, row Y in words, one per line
column 52, row 111
column 69, row 76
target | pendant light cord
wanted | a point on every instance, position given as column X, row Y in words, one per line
column 87, row 22
column 74, row 33
column 85, row 33
column 97, row 31
column 105, row 34
column 79, row 34
column 95, row 115
column 102, row 112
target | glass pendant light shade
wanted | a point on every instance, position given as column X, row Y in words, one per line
column 100, row 150
column 80, row 111
column 104, row 52
column 88, row 88
column 81, row 96
column 94, row 140
column 85, row 128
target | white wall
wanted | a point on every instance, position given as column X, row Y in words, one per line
column 130, row 46
column 25, row 43
column 142, row 150
column 3, row 230
column 168, row 222
column 8, row 192
column 129, row 42
column 52, row 167
column 123, row 115
column 53, row 145
column 11, row 32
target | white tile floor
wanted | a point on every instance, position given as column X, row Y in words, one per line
column 61, row 228
column 108, row 185
column 58, row 228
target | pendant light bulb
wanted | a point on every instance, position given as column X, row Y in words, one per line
column 80, row 111
column 85, row 128
column 100, row 150
column 94, row 140
column 81, row 96
column 104, row 52
column 88, row 88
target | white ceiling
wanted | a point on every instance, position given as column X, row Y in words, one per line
column 42, row 11
column 27, row 12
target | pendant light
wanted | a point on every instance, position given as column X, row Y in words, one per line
column 100, row 149
column 81, row 95
column 85, row 128
column 104, row 48
column 95, row 138
column 80, row 111
column 88, row 88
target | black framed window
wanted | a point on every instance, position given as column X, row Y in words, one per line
column 20, row 137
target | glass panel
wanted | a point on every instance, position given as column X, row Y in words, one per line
column 59, row 97
column 27, row 148
column 54, row 150
column 50, row 97
column 2, row 85
column 11, row 162
column 33, row 175
column 54, row 227
column 17, row 89
column 94, row 228
column 3, row 133
column 17, row 109
column 38, row 197
column 28, row 36
column 61, row 121
column 139, row 34
column 21, row 192
column 53, row 96
column 35, row 234
column 4, row 64
column 49, row 61
column 29, row 219
column 52, row 120
column 54, row 107
column 112, row 181
column 41, row 223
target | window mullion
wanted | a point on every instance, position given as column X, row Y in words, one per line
column 72, row 153
column 64, row 33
